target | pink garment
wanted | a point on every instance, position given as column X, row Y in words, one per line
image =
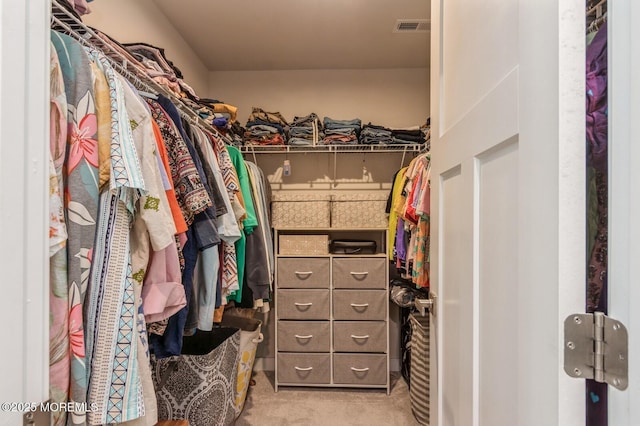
column 80, row 6
column 162, row 292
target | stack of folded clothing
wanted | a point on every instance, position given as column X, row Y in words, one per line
column 341, row 132
column 158, row 67
column 375, row 135
column 407, row 136
column 265, row 128
column 217, row 113
column 305, row 131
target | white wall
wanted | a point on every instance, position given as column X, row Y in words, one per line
column 389, row 97
column 141, row 21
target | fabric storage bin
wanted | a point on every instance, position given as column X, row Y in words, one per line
column 300, row 210
column 304, row 336
column 311, row 369
column 305, row 272
column 199, row 385
column 359, row 210
column 250, row 337
column 305, row 245
column 360, row 369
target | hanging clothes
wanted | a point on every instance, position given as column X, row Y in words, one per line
column 80, row 176
column 597, row 131
column 409, row 219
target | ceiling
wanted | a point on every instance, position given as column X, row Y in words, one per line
column 245, row 35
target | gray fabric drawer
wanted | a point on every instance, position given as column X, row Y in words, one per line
column 304, row 336
column 360, row 336
column 304, row 368
column 303, row 272
column 360, row 369
column 303, row 304
column 360, row 305
column 359, row 273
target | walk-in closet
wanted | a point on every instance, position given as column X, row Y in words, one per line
column 319, row 213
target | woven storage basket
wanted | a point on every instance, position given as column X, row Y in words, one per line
column 300, row 210
column 362, row 210
column 305, row 245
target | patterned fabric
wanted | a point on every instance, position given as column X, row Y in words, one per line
column 419, row 391
column 597, row 268
column 81, row 203
column 59, row 356
column 597, row 146
column 187, row 384
column 230, row 281
column 190, row 191
column 114, row 383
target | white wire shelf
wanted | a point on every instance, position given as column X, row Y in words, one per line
column 291, row 149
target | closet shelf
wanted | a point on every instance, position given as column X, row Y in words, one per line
column 290, row 149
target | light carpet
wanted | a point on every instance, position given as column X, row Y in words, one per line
column 293, row 406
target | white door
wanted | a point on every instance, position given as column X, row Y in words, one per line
column 508, row 218
column 624, row 195
column 24, row 221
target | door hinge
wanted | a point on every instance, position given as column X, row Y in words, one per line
column 596, row 347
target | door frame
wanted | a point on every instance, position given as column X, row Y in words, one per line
column 24, row 166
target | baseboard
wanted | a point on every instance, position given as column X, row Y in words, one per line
column 269, row 364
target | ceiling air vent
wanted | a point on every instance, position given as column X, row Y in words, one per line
column 412, row 26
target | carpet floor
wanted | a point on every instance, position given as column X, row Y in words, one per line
column 293, row 406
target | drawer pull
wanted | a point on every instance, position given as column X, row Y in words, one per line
column 306, row 273
column 359, row 273
column 353, row 336
column 359, row 305
column 359, row 370
column 303, row 304
column 304, row 337
column 303, row 369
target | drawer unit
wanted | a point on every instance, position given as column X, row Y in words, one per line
column 304, row 368
column 360, row 369
column 331, row 312
column 360, row 305
column 304, row 336
column 360, row 336
column 359, row 272
column 303, row 304
column 303, row 273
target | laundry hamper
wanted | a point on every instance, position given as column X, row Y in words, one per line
column 419, row 383
column 250, row 336
column 199, row 385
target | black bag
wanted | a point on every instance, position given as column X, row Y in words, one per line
column 353, row 247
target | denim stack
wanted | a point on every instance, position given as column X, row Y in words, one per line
column 407, row 136
column 265, row 128
column 375, row 135
column 306, row 131
column 341, row 132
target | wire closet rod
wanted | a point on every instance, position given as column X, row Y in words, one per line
column 72, row 26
